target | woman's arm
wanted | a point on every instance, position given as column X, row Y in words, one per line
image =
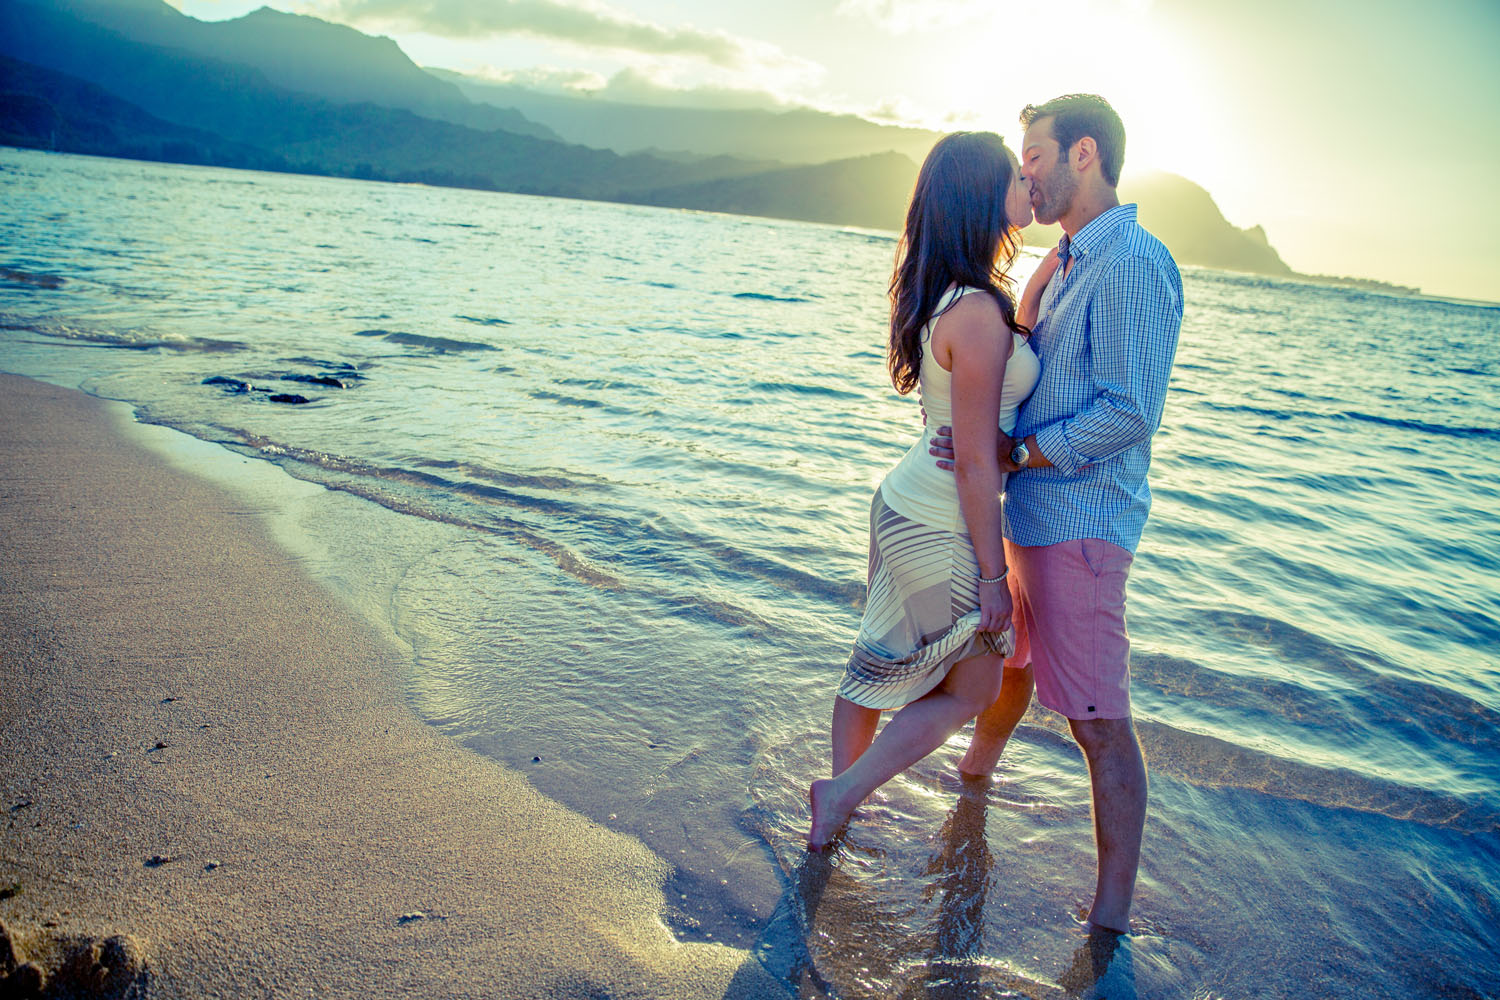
column 973, row 343
column 1031, row 299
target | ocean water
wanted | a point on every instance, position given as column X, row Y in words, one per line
column 634, row 450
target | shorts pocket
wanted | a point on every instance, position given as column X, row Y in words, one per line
column 1100, row 556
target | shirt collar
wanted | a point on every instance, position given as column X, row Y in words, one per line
column 1096, row 232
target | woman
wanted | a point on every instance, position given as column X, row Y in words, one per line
column 937, row 619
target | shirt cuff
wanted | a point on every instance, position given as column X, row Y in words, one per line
column 1052, row 441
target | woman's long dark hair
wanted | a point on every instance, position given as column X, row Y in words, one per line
column 957, row 233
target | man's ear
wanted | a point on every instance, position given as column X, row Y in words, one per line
column 1084, row 152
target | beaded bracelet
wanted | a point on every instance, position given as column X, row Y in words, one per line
column 995, row 579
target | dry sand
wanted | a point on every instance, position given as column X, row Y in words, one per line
column 206, row 758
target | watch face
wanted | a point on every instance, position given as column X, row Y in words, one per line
column 1019, row 454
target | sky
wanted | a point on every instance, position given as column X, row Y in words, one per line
column 1362, row 135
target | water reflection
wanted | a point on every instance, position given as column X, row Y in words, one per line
column 1101, row 967
column 960, row 874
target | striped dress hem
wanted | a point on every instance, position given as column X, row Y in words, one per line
column 921, row 613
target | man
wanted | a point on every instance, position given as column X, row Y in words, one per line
column 1106, row 332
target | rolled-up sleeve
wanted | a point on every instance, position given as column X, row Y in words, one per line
column 1133, row 323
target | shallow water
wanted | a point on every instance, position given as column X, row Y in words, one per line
column 637, row 447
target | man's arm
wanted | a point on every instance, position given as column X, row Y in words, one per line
column 1134, row 319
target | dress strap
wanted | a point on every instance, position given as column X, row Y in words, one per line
column 948, row 301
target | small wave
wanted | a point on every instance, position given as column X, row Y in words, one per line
column 1422, row 427
column 1376, row 699
column 557, row 397
column 1419, row 426
column 127, row 340
column 1212, row 762
column 803, row 389
column 596, row 383
column 484, row 320
column 441, row 345
column 375, row 483
column 767, row 297
column 509, row 479
column 340, row 367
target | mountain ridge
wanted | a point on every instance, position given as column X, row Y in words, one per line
column 287, row 91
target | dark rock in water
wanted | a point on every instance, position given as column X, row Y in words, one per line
column 30, row 278
column 27, row 981
column 8, row 960
column 442, row 345
column 328, row 380
column 229, row 384
column 289, row 397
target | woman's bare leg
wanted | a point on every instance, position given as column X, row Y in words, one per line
column 914, row 732
column 995, row 724
column 853, row 729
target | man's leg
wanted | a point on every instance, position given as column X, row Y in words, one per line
column 1080, row 652
column 1117, row 774
column 853, row 730
column 995, row 724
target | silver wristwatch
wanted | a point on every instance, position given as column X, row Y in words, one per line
column 1020, row 454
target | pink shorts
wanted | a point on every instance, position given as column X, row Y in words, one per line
column 1070, row 625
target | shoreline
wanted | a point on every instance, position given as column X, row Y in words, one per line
column 207, row 763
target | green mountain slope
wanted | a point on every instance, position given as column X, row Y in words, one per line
column 299, row 53
column 42, row 109
column 136, row 78
column 795, row 136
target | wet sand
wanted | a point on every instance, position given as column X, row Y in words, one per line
column 210, row 783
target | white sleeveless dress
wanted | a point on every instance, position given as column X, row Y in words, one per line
column 922, row 608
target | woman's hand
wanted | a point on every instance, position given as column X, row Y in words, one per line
column 1048, row 267
column 994, row 607
column 1031, row 298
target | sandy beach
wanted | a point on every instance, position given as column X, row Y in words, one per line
column 210, row 784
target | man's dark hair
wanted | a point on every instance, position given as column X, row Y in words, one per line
column 1077, row 115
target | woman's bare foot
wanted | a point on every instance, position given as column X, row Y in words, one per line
column 828, row 814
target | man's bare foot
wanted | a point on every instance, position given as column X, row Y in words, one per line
column 1108, row 920
column 828, row 818
column 979, row 762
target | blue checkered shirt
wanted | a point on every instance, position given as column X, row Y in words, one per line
column 1106, row 332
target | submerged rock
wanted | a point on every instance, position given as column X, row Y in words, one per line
column 327, row 380
column 31, row 278
column 76, row 965
column 295, row 399
column 230, row 384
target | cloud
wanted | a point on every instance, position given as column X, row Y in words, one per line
column 899, row 17
column 652, row 86
column 583, row 23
